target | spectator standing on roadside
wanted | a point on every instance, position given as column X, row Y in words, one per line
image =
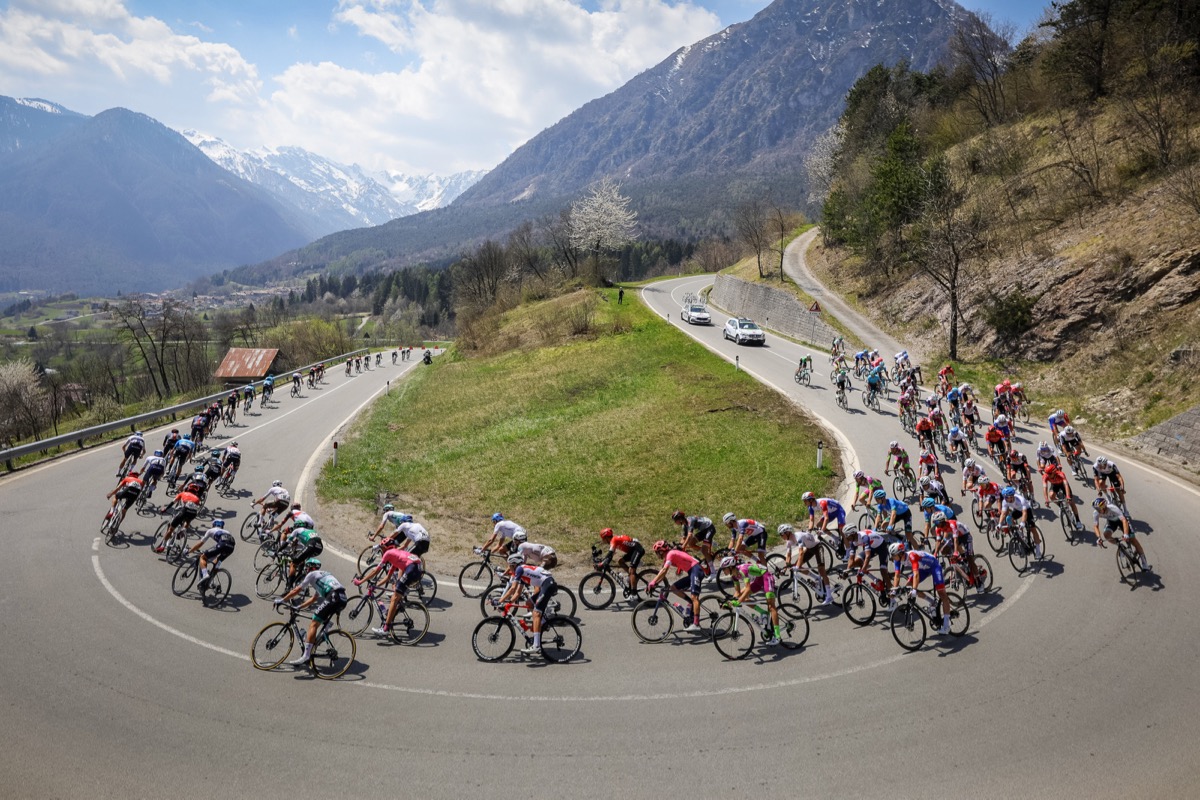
column 620, row 295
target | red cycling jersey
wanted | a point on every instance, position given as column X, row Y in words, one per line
column 622, row 543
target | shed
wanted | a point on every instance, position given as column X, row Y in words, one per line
column 247, row 364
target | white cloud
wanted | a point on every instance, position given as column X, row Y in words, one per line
column 200, row 26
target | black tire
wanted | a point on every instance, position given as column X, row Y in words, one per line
column 908, row 626
column 426, row 589
column 597, row 590
column 960, row 615
column 356, row 617
column 184, row 577
column 652, row 623
column 217, row 591
column 710, row 609
column 264, row 556
column 272, row 645
column 976, row 512
column 561, row 639
column 859, row 604
column 269, row 581
column 1018, row 554
column 176, row 552
column 486, row 608
column 793, row 627
column 411, row 623
column 777, row 564
column 1127, row 565
column 332, row 654
column 996, row 539
column 249, row 531
column 493, row 639
column 475, row 579
column 899, row 487
column 733, row 636
column 1068, row 524
column 368, row 558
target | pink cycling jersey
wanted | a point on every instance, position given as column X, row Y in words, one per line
column 398, row 559
column 681, row 561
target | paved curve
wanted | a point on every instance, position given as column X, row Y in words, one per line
column 112, row 687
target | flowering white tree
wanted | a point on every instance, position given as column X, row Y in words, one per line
column 24, row 404
column 602, row 221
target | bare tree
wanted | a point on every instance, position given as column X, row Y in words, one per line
column 1154, row 91
column 478, row 277
column 782, row 222
column 557, row 232
column 602, row 222
column 980, row 46
column 525, row 252
column 750, row 222
column 23, row 401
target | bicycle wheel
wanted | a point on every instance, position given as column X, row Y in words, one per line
column 249, row 528
column 563, row 603
column 272, row 645
column 493, row 639
column 332, row 654
column 184, row 577
column 960, row 615
column 1018, row 554
column 859, row 604
column 1033, row 528
column 899, row 485
column 269, row 581
column 1068, row 524
column 475, row 579
column 777, row 564
column 176, row 551
column 908, row 626
column 976, row 512
column 793, row 627
column 597, row 590
column 561, row 639
column 652, row 622
column 217, row 591
column 487, row 606
column 996, row 539
column 426, row 588
column 733, row 636
column 160, row 536
column 368, row 558
column 710, row 609
column 1127, row 564
column 264, row 556
column 797, row 592
column 983, row 571
column 357, row 615
column 411, row 623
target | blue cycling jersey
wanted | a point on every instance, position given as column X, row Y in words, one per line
column 947, row 510
column 892, row 504
column 953, row 394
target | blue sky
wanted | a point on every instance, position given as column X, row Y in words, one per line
column 416, row 86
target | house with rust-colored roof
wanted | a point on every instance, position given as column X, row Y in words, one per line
column 243, row 365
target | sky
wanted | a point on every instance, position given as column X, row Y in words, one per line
column 414, row 86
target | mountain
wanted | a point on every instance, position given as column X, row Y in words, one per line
column 27, row 122
column 120, row 202
column 724, row 120
column 427, row 192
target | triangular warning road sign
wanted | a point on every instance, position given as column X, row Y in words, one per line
column 816, row 307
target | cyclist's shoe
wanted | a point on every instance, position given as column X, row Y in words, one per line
column 532, row 650
column 203, row 584
column 945, row 628
column 299, row 662
column 1145, row 565
column 382, row 630
column 692, row 627
column 771, row 642
column 159, row 549
column 826, row 598
column 1037, row 551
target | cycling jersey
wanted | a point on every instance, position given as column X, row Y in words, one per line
column 870, row 483
column 533, row 553
column 890, row 504
column 991, row 488
column 393, row 518
column 184, row 447
column 505, row 529
column 305, row 536
column 1016, row 503
column 276, row 495
column 753, row 533
column 806, row 539
column 761, row 580
column 953, row 395
column 701, row 527
column 232, row 456
column 154, row 466
column 299, row 517
column 129, row 487
column 870, row 540
column 531, row 575
column 404, row 564
column 830, row 509
column 624, row 543
column 924, row 564
column 1112, row 513
column 681, row 561
column 414, row 531
column 947, row 510
column 993, row 435
column 134, row 445
column 1110, row 471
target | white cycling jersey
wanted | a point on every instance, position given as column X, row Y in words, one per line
column 277, row 494
column 414, row 531
column 959, row 437
column 537, row 576
column 1015, row 503
column 1111, row 513
column 505, row 529
column 869, row 540
column 533, row 553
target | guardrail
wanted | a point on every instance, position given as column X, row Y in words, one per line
column 133, row 423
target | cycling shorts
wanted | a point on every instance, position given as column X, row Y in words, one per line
column 544, row 596
column 155, row 471
column 331, row 605
column 134, row 449
column 690, row 583
column 184, row 516
column 840, row 516
column 819, row 552
column 412, row 573
column 1115, row 526
column 880, row 553
column 219, row 552
column 128, row 497
column 705, row 534
column 905, row 518
column 633, row 557
column 756, row 541
column 1058, row 491
column 420, row 548
column 936, row 572
column 764, row 583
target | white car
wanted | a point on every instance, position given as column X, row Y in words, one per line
column 744, row 331
column 695, row 315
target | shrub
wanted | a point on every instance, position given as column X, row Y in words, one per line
column 1010, row 315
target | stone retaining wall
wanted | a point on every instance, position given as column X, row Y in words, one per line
column 1177, row 439
column 771, row 308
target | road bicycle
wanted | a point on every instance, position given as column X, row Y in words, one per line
column 733, row 632
column 254, row 527
column 495, row 637
column 1020, row 546
column 267, row 552
column 478, row 577
column 274, row 577
column 229, row 416
column 842, row 399
column 563, row 603
column 654, row 619
column 958, row 573
column 1076, row 464
column 426, row 588
column 333, row 649
column 1068, row 516
column 904, row 485
column 804, row 377
column 266, row 395
column 911, row 618
column 128, row 462
column 598, row 588
column 149, row 484
column 1129, row 564
column 225, row 482
column 175, row 549
column 110, row 527
column 296, row 389
column 862, row 597
column 408, row 627
column 802, row 584
column 216, row 590
column 871, row 398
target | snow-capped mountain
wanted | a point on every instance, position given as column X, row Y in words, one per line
column 333, row 196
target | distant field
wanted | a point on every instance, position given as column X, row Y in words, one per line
column 615, row 428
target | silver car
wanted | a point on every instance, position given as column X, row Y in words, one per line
column 744, row 331
column 695, row 315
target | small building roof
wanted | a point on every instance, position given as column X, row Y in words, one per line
column 247, row 363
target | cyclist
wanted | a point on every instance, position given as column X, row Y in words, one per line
column 170, row 440
column 1017, row 392
column 197, row 483
column 349, row 363
column 231, row 460
column 1055, row 480
column 304, row 544
column 924, row 565
column 296, row 382
column 809, row 547
column 806, row 363
column 540, row 554
column 1018, row 468
column 294, row 517
column 950, row 531
column 900, row 454
column 1000, row 398
column 413, row 537
column 996, row 444
column 393, row 357
column 989, row 494
column 867, row 544
column 181, row 452
column 232, row 402
column 946, row 378
column 1046, row 455
column 838, row 347
column 199, row 426
column 956, row 442
column 875, row 380
column 970, row 413
column 954, row 397
column 248, row 396
column 131, row 451
column 153, row 470
column 1014, row 504
column 938, row 419
column 932, row 487
column 275, row 500
column 865, row 486
column 408, row 570
column 1104, row 471
column 543, row 587
column 693, row 575
column 927, row 465
column 328, row 593
column 1002, row 424
column 830, row 511
column 860, row 360
column 502, row 534
column 746, row 534
column 189, row 507
column 1058, row 419
column 698, row 533
column 222, row 549
column 632, row 554
column 931, row 508
column 127, row 490
column 971, row 474
column 268, row 389
column 1114, row 520
column 842, row 382
column 924, row 429
column 753, row 578
column 894, row 511
column 1070, row 442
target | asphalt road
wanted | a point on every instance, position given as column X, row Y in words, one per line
column 1069, row 684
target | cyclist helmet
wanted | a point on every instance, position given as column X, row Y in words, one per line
column 606, row 534
column 969, row 463
column 727, row 562
column 1001, row 420
column 729, row 518
column 937, row 519
column 893, row 445
column 218, row 523
column 896, row 549
column 1099, row 502
column 158, row 453
column 1059, row 413
column 785, row 529
column 199, row 468
column 927, row 503
column 1014, row 455
column 174, row 430
column 133, row 473
column 405, row 518
column 276, row 483
column 233, row 444
column 1005, row 382
column 1043, row 446
column 660, row 547
column 880, row 494
column 955, row 431
column 982, row 479
column 1101, row 461
column 859, row 475
column 678, row 516
column 137, row 433
column 966, row 387
column 1008, row 491
column 388, row 507
column 1017, row 386
column 807, row 496
column 187, row 437
column 516, row 559
column 520, row 536
column 924, row 481
column 497, row 517
column 1069, row 430
column 311, row 564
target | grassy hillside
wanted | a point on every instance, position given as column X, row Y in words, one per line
column 590, row 415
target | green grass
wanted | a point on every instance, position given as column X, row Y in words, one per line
column 614, row 429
